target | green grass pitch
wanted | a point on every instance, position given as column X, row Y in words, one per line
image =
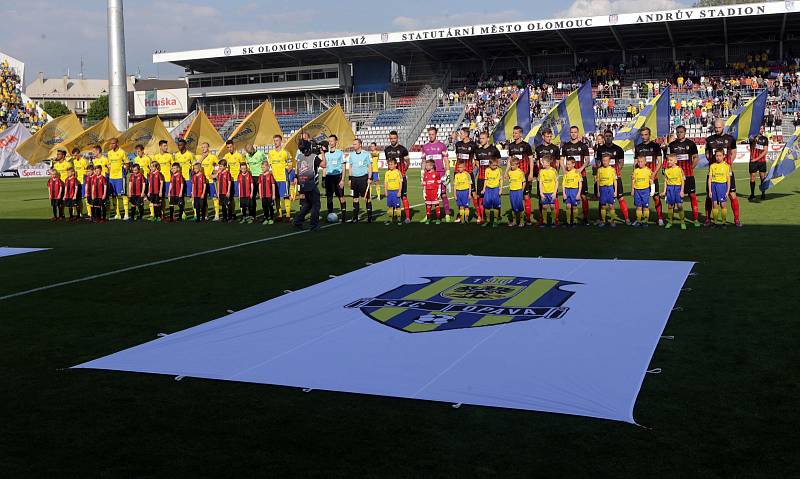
column 724, row 406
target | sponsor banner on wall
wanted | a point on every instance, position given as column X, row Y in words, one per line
column 161, row 102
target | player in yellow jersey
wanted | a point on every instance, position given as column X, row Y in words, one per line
column 394, row 183
column 185, row 159
column 278, row 160
column 81, row 166
column 117, row 167
column 165, row 159
column 516, row 186
column 673, row 190
column 548, row 189
column 641, row 181
column 491, row 191
column 719, row 184
column 234, row 159
column 144, row 162
column 209, row 163
column 463, row 186
column 572, row 184
column 375, row 156
column 61, row 164
column 607, row 187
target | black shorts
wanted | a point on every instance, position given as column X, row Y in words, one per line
column 404, row 188
column 527, row 188
column 71, row 203
column 480, row 182
column 359, row 185
column 658, row 189
column 689, row 186
column 331, row 183
column 136, row 200
column 620, row 190
column 473, row 187
column 153, row 199
column 758, row 167
column 176, row 200
column 78, row 195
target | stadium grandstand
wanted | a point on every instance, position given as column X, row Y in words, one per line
column 15, row 107
column 711, row 59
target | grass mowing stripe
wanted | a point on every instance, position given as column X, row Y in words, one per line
column 163, row 261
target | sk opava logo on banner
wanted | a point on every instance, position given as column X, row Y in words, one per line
column 55, row 137
column 248, row 129
column 459, row 302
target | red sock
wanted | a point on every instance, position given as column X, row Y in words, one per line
column 407, row 208
column 658, row 208
column 438, row 212
column 477, row 204
column 481, row 211
column 585, row 207
column 427, row 211
column 556, row 211
column 623, row 205
column 695, row 210
column 708, row 208
column 528, row 209
column 735, row 208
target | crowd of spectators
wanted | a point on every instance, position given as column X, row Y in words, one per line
column 13, row 109
column 694, row 100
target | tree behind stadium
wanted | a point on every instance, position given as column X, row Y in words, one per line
column 55, row 108
column 98, row 110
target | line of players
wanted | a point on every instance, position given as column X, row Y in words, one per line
column 473, row 159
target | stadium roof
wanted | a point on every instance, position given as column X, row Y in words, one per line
column 744, row 23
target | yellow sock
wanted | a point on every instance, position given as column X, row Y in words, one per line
column 603, row 214
column 287, row 203
column 715, row 213
column 646, row 215
column 125, row 204
column 216, row 206
column 724, row 214
column 638, row 215
column 378, row 189
column 88, row 208
column 682, row 215
column 613, row 214
column 116, row 204
column 152, row 210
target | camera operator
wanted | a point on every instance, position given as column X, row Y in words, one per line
column 310, row 158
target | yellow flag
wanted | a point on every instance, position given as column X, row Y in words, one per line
column 257, row 129
column 332, row 122
column 146, row 133
column 202, row 131
column 45, row 142
column 97, row 134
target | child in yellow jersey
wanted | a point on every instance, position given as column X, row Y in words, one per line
column 548, row 188
column 673, row 191
column 375, row 156
column 394, row 183
column 607, row 187
column 463, row 186
column 492, row 185
column 573, row 181
column 641, row 181
column 516, row 184
column 719, row 184
column 234, row 159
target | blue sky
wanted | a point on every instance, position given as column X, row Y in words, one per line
column 53, row 35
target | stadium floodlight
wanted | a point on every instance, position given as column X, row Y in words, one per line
column 117, row 84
